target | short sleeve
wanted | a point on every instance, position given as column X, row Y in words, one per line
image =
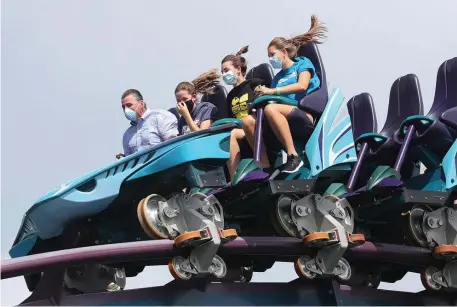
column 167, row 126
column 209, row 112
column 305, row 64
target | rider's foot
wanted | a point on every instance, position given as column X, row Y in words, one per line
column 113, row 287
column 293, row 164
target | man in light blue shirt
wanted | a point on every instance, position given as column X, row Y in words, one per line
column 147, row 127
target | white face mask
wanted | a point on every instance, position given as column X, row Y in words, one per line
column 130, row 114
column 275, row 62
column 229, row 78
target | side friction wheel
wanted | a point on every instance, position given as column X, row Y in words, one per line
column 316, row 238
column 220, row 269
column 187, row 238
column 281, row 216
column 427, row 279
column 148, row 216
column 414, row 233
column 174, row 266
column 301, row 270
column 345, row 270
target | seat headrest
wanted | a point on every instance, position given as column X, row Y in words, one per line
column 405, row 100
column 449, row 118
column 263, row 71
column 446, row 89
column 218, row 99
column 315, row 102
column 363, row 115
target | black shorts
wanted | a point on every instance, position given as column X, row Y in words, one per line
column 300, row 127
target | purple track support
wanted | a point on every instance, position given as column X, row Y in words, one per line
column 404, row 148
column 356, row 169
column 258, row 136
column 282, row 249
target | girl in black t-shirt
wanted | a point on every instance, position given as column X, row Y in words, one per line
column 233, row 68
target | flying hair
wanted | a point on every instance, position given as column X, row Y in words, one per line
column 203, row 84
column 315, row 34
column 238, row 61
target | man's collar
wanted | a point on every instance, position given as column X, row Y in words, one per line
column 146, row 114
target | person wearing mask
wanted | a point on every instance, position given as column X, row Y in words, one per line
column 147, row 127
column 234, row 68
column 195, row 115
column 296, row 79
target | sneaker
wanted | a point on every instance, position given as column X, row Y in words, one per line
column 113, row 287
column 292, row 165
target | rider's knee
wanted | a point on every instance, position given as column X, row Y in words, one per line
column 270, row 110
column 248, row 121
column 237, row 134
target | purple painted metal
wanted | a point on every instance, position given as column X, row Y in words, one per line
column 284, row 248
column 258, row 136
column 356, row 169
column 390, row 182
column 252, row 176
column 404, row 148
column 295, row 293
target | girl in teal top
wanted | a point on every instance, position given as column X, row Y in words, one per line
column 296, row 79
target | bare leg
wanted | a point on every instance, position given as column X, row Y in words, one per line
column 249, row 129
column 235, row 136
column 276, row 114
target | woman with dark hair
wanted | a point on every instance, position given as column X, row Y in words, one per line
column 234, row 68
column 195, row 115
column 296, row 79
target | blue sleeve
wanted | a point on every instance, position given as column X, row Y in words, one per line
column 274, row 82
column 305, row 64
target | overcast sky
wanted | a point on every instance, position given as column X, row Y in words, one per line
column 65, row 65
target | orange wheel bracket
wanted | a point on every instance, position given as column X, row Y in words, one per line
column 356, row 239
column 229, row 234
column 445, row 250
column 187, row 237
column 317, row 236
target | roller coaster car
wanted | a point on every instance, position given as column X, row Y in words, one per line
column 420, row 207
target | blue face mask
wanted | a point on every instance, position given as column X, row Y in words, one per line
column 229, row 78
column 275, row 62
column 130, row 114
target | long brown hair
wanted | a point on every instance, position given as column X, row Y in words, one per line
column 237, row 60
column 315, row 34
column 203, row 84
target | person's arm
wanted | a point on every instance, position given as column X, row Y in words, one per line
column 305, row 71
column 208, row 118
column 208, row 115
column 300, row 86
column 190, row 122
column 167, row 126
column 125, row 145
